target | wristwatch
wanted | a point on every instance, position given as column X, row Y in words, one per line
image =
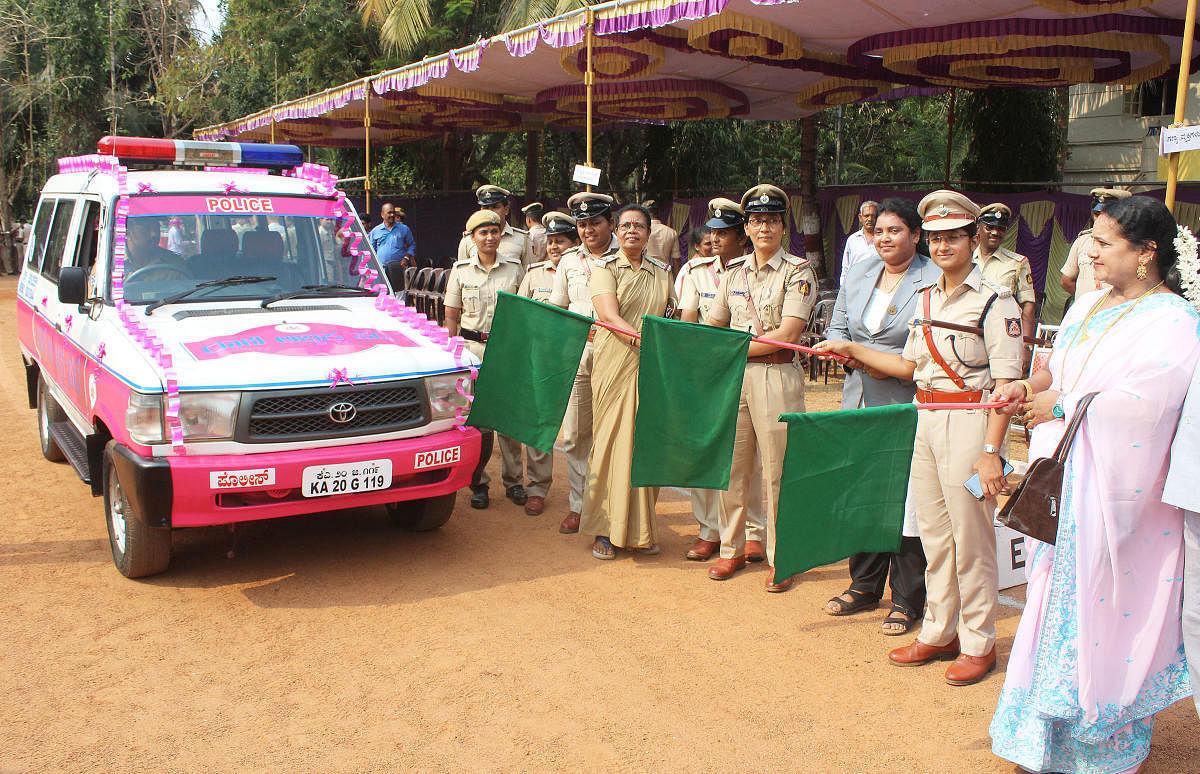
column 1057, row 411
column 989, row 449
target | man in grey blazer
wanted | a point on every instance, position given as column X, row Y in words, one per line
column 874, row 306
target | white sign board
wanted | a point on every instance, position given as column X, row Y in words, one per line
column 1010, row 557
column 1185, row 138
column 586, row 175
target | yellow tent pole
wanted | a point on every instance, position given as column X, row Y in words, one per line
column 272, row 124
column 367, row 145
column 588, row 79
column 1185, row 63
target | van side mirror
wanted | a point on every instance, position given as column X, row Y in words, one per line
column 72, row 285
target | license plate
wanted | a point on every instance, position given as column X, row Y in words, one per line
column 346, row 478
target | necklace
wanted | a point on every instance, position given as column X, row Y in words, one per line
column 883, row 285
column 1082, row 334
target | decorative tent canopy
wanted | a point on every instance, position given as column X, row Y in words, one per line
column 670, row 60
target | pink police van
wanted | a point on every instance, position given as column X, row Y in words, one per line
column 218, row 345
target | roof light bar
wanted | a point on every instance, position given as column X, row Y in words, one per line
column 198, row 153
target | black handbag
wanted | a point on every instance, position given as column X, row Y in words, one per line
column 1034, row 506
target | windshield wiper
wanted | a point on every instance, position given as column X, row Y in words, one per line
column 306, row 290
column 238, row 280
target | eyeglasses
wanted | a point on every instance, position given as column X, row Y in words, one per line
column 764, row 222
column 1102, row 199
column 632, row 226
column 948, row 239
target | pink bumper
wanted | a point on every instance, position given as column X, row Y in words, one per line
column 223, row 489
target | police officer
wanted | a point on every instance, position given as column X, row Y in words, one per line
column 699, row 281
column 514, row 242
column 664, row 240
column 538, row 284
column 470, row 302
column 1077, row 274
column 1003, row 266
column 594, row 224
column 769, row 293
column 950, row 366
column 537, row 232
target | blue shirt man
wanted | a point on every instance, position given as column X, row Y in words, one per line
column 392, row 240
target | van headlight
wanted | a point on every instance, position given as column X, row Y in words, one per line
column 444, row 397
column 202, row 415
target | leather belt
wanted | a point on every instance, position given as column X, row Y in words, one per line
column 591, row 333
column 470, row 335
column 944, row 396
column 778, row 356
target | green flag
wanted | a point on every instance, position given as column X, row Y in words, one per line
column 845, row 476
column 689, row 382
column 533, row 352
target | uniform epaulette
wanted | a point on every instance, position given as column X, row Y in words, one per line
column 656, row 262
column 571, row 251
column 998, row 289
column 736, row 262
column 795, row 260
column 604, row 260
column 518, row 230
column 532, row 266
column 1012, row 255
column 1085, row 231
column 462, row 261
column 699, row 260
column 510, row 259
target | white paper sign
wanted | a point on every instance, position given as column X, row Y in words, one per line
column 1185, row 138
column 586, row 175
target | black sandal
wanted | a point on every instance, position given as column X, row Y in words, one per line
column 859, row 601
column 900, row 616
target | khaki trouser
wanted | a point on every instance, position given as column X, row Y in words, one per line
column 510, row 450
column 539, row 469
column 577, row 431
column 768, row 390
column 709, row 508
column 956, row 531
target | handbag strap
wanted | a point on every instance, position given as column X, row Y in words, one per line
column 1064, row 445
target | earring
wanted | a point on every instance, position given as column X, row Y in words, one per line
column 1141, row 269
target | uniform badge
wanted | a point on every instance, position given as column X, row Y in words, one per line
column 1029, row 277
column 1012, row 326
column 717, row 213
column 942, row 210
column 764, row 198
column 583, row 206
column 805, row 288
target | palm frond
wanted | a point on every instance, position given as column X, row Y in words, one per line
column 405, row 26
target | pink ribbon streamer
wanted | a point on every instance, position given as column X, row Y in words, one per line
column 337, row 376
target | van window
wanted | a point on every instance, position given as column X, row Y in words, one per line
column 85, row 254
column 57, row 241
column 41, row 230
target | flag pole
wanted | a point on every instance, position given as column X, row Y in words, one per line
column 588, row 79
column 1181, row 90
column 367, row 145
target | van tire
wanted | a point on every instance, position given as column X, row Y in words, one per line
column 138, row 549
column 48, row 412
column 422, row 515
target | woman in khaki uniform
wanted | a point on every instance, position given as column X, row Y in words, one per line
column 625, row 286
column 955, row 367
column 470, row 304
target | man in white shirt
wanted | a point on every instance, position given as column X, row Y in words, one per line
column 860, row 244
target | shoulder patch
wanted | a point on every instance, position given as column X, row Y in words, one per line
column 656, row 262
column 795, row 260
column 999, row 290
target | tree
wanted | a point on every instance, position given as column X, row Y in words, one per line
column 1015, row 135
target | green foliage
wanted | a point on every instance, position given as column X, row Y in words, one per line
column 1016, row 135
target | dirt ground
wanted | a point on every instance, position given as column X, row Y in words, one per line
column 337, row 643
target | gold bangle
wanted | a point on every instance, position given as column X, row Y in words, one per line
column 1028, row 388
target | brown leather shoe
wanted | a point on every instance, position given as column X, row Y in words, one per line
column 919, row 653
column 968, row 670
column 703, row 550
column 782, row 585
column 725, row 568
column 535, row 505
column 755, row 551
column 570, row 525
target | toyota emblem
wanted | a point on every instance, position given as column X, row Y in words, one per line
column 342, row 412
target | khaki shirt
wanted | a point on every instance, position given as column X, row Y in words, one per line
column 537, row 242
column 514, row 243
column 571, row 281
column 1078, row 265
column 538, row 283
column 1010, row 270
column 785, row 286
column 473, row 289
column 615, row 274
column 995, row 355
column 700, row 280
column 663, row 243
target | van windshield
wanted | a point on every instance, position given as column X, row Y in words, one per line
column 175, row 243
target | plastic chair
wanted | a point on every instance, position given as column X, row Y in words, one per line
column 437, row 294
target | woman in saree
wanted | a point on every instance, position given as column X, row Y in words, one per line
column 625, row 286
column 1099, row 648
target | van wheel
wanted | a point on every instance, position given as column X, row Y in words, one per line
column 48, row 411
column 138, row 550
column 422, row 515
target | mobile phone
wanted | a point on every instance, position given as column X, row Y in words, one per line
column 976, row 488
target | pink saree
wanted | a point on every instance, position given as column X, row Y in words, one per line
column 1099, row 648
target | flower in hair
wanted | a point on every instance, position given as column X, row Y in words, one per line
column 1188, row 265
